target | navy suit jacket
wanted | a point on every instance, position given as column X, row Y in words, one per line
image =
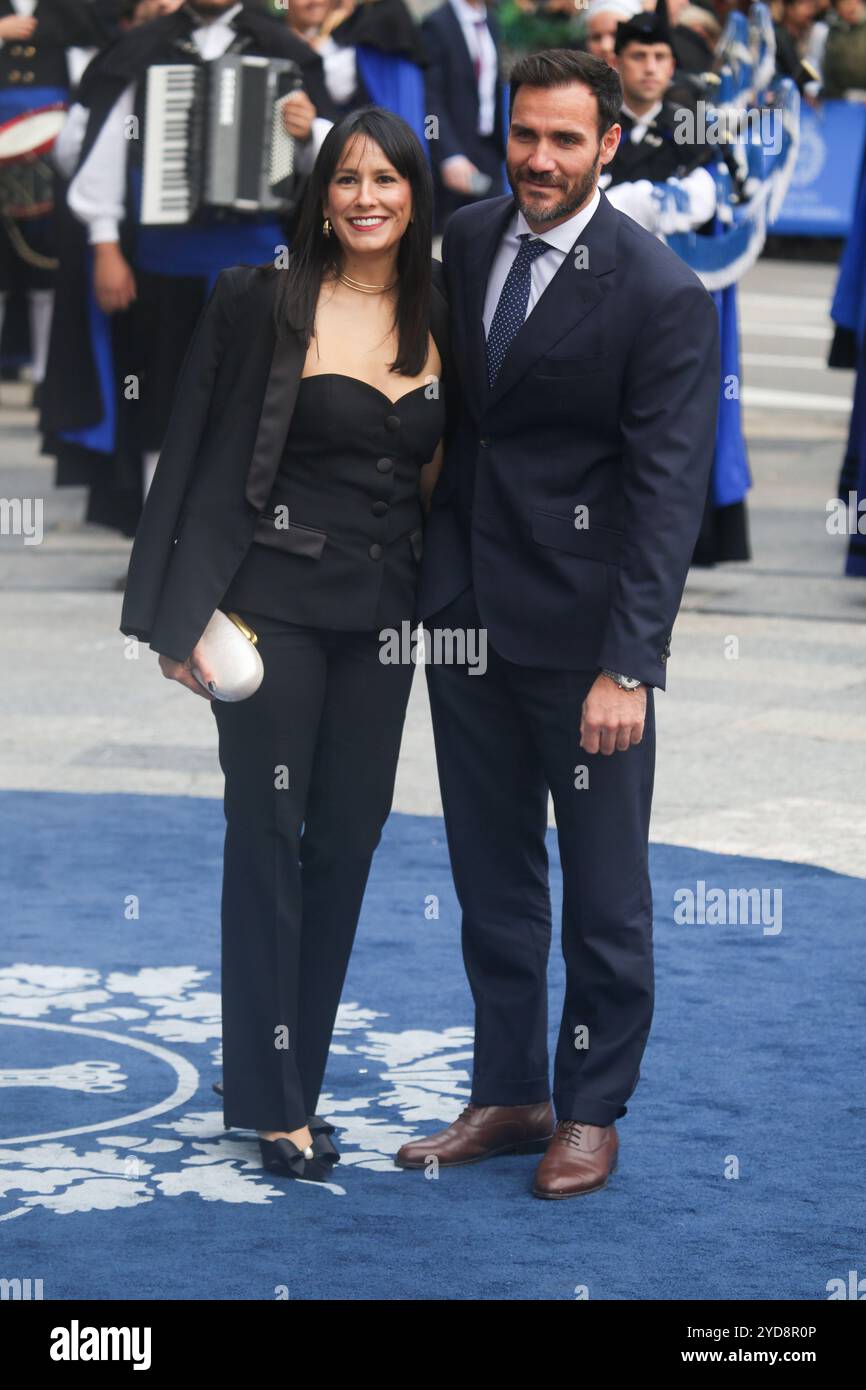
column 571, row 494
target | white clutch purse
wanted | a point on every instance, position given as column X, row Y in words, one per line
column 230, row 646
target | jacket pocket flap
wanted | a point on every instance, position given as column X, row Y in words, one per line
column 592, row 542
column 571, row 366
column 294, row 538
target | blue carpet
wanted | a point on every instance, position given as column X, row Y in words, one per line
column 109, row 1027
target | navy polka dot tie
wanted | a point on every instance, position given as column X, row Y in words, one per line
column 511, row 309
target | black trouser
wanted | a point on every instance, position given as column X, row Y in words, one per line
column 327, row 721
column 502, row 740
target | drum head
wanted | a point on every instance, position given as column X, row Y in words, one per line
column 31, row 135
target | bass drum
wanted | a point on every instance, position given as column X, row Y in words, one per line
column 26, row 173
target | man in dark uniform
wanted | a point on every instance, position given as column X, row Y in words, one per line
column 149, row 283
column 661, row 176
column 35, row 36
column 660, row 140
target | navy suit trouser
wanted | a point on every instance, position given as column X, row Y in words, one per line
column 504, row 739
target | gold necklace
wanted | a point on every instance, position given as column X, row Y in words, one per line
column 364, row 289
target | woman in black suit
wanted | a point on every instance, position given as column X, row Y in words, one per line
column 343, row 444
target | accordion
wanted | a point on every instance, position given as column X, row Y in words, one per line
column 214, row 138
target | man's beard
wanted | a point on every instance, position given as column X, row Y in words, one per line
column 581, row 193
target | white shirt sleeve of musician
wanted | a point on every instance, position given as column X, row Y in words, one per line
column 97, row 194
column 639, row 200
column 67, row 146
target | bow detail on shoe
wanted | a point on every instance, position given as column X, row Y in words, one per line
column 323, row 1148
column 283, row 1155
column 316, row 1125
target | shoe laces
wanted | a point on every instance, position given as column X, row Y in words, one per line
column 469, row 1110
column 571, row 1131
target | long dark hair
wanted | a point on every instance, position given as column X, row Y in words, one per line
column 313, row 255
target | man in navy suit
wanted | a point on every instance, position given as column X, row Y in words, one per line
column 464, row 93
column 576, row 467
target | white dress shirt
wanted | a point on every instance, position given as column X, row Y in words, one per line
column 560, row 239
column 641, row 123
column 97, row 194
column 479, row 41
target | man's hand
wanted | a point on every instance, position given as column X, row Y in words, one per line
column 612, row 719
column 113, row 280
column 155, row 9
column 457, row 172
column 298, row 114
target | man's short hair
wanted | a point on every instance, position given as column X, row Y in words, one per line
column 560, row 67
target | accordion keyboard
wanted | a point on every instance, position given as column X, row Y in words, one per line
column 167, row 192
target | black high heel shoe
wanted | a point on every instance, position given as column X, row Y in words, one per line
column 323, row 1147
column 283, row 1157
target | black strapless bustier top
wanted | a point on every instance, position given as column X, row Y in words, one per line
column 339, row 542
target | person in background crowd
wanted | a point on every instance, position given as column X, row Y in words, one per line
column 37, row 41
column 792, row 36
column 602, row 19
column 844, row 57
column 371, row 52
column 694, row 38
column 530, row 26
column 148, row 283
column 651, row 149
column 464, row 93
column 652, row 152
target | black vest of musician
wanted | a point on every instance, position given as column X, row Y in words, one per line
column 659, row 155
column 40, row 61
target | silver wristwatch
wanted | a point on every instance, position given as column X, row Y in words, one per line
column 624, row 682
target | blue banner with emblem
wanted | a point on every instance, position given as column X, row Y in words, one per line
column 823, row 190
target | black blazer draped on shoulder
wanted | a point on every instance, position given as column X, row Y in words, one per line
column 231, row 414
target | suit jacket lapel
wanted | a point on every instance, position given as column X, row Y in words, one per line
column 287, row 364
column 572, row 294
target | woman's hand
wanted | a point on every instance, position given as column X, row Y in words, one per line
column 181, row 671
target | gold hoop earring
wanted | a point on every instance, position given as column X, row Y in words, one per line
column 326, row 227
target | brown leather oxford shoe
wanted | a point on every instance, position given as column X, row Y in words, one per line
column 482, row 1131
column 579, row 1159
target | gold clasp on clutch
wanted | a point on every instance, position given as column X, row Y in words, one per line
column 242, row 626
